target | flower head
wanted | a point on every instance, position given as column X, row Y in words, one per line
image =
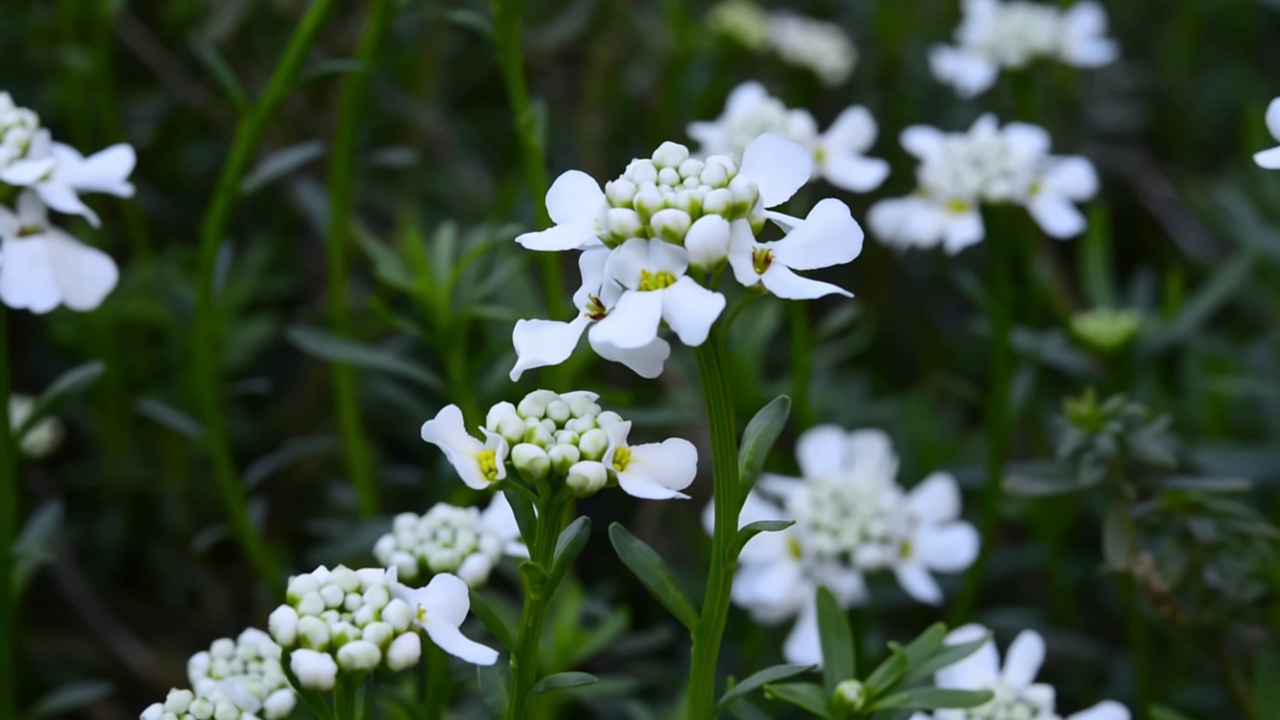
column 42, row 267
column 439, row 609
column 821, row 47
column 447, row 539
column 479, row 464
column 245, row 673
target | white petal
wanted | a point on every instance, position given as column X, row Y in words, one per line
column 1073, row 177
column 591, row 266
column 1269, row 159
column 780, row 281
column 574, row 198
column 744, row 99
column 919, row 584
column 542, row 343
column 707, row 241
column 447, row 432
column 1026, row 140
column 741, row 244
column 776, row 590
column 65, row 200
column 780, row 486
column 845, row 583
column 923, row 141
column 828, row 236
column 451, row 640
column 1023, row 659
column 691, row 310
column 499, row 519
column 962, row 230
column 710, row 135
column 804, row 644
column 855, row 173
column 632, row 323
column 569, row 236
column 27, row 172
column 970, row 73
column 976, row 671
column 446, row 600
column 106, row 171
column 852, row 133
column 646, row 361
column 667, row 257
column 1273, row 118
column 27, row 279
column 85, row 274
column 820, row 451
column 935, row 499
column 31, row 210
column 658, row 470
column 778, row 166
column 1105, row 710
column 1056, row 216
column 627, row 261
column 947, row 548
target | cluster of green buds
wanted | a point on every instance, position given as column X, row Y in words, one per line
column 450, row 539
column 1097, row 436
column 239, row 679
column 556, row 435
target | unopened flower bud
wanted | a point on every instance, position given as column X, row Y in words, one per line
column 692, row 168
column 369, row 577
column 708, row 241
column 566, row 437
column 607, row 418
column 359, row 656
column 537, row 435
column 314, row 670
column 564, row 456
column 648, row 201
column 718, row 202
column 587, row 477
column 850, row 695
column 300, row 585
column 641, row 171
column 580, row 425
column 670, row 155
column 333, row 595
column 530, row 461
column 558, row 411
column 718, row 171
column 593, row 443
column 405, row 651
column 342, row 632
column 378, row 633
column 154, row 711
column 201, row 709
column 620, row 192
column 669, row 177
column 582, row 403
column 345, row 578
column 364, row 615
column 376, row 597
column 498, row 413
column 670, row 224
column 534, row 405
column 313, row 633
column 178, row 701
column 688, row 201
column 283, row 625
column 624, row 223
column 311, row 604
column 398, row 615
column 279, row 703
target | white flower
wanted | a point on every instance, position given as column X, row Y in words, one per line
column 1270, row 159
column 439, row 609
column 462, row 541
column 840, row 152
column 1017, row 695
column 42, row 439
column 242, row 676
column 654, row 471
column 479, row 464
column 1051, row 196
column 933, row 539
column 577, row 206
column 315, row 670
column 59, row 173
column 42, row 267
column 1083, row 41
column 821, row 47
column 828, row 236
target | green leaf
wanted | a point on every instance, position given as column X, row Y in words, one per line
column 76, row 380
column 927, row 698
column 327, row 346
column 888, row 673
column 331, row 67
column 76, row 696
column 170, row 417
column 471, row 19
column 522, row 508
column 1208, row 300
column 535, row 578
column 568, row 547
column 806, row 696
column 838, row 661
column 1266, row 689
column 947, row 656
column 559, row 681
column 759, row 679
column 492, row 620
column 926, row 645
column 758, row 439
column 281, row 163
column 751, row 530
column 36, row 545
column 1207, row 484
column 653, row 573
column 221, row 71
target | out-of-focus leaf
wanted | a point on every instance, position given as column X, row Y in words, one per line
column 74, row 381
column 1266, row 683
column 560, row 681
column 653, row 573
column 927, row 698
column 329, row 68
column 221, row 71
column 170, row 417
column 836, row 637
column 751, row 530
column 1225, row 283
column 522, row 508
column 491, row 617
column 69, row 698
column 1161, row 712
column 1207, row 484
column 888, row 673
column 291, row 452
column 759, row 679
column 568, row 547
column 758, row 439
column 471, row 19
column 806, row 696
column 281, row 163
column 327, row 346
column 493, row 681
column 946, row 656
column 36, row 544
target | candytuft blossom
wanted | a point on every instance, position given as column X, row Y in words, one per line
column 439, row 609
column 479, row 464
column 449, row 539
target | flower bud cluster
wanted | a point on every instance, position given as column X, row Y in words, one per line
column 557, row 435
column 451, row 539
column 18, row 127
column 237, row 679
column 663, row 196
column 347, row 616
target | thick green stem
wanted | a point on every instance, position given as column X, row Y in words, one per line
column 506, row 38
column 9, row 497
column 524, row 660
column 727, row 503
column 1001, row 256
column 355, row 91
column 207, row 366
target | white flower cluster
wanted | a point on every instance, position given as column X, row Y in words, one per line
column 838, row 154
column 818, row 46
column 44, row 437
column 356, row 621
column 851, row 517
column 959, row 172
column 566, row 437
column 997, row 34
column 1017, row 695
column 237, row 679
column 41, row 266
column 669, row 216
column 448, row 539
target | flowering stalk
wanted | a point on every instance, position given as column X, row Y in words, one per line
column 208, row 320
column 539, row 588
column 709, row 632
column 506, row 38
column 355, row 89
column 8, row 533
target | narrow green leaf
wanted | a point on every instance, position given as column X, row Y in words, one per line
column 947, row 656
column 36, row 545
column 471, row 19
column 221, row 71
column 758, row 439
column 327, row 346
column 76, row 380
column 838, row 661
column 522, row 508
column 888, row 673
column 170, row 417
column 281, row 163
column 535, row 578
column 492, row 620
column 568, row 547
column 759, row 679
column 653, row 573
column 925, row 645
column 76, row 696
column 563, row 680
column 806, row 696
column 751, row 530
column 927, row 698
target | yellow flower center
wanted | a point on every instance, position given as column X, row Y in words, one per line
column 656, row 281
column 488, row 460
column 793, row 546
column 761, row 259
column 904, row 550
column 29, row 230
column 621, row 459
column 422, row 613
column 957, row 206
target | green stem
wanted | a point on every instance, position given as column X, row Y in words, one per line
column 1001, row 256
column 355, row 91
column 344, row 698
column 727, row 502
column 9, row 497
column 801, row 363
column 435, row 680
column 506, row 38
column 524, row 659
column 206, row 367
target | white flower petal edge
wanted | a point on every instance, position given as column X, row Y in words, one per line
column 43, row 267
column 440, row 609
column 575, row 203
column 479, row 464
column 1270, row 159
column 655, row 471
column 1105, row 710
column 778, row 166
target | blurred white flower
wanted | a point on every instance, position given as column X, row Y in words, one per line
column 479, row 464
column 741, row 21
column 449, row 539
column 1000, row 34
column 1017, row 694
column 653, row 471
column 838, row 154
column 439, row 609
column 42, row 267
column 1052, row 195
column 58, row 173
column 1270, row 159
column 44, row 437
column 821, row 47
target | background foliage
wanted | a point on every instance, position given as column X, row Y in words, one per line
column 140, row 569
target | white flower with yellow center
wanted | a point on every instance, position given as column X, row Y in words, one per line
column 479, row 464
column 828, row 236
column 42, row 267
column 449, row 539
column 58, row 173
column 439, row 609
column 653, row 471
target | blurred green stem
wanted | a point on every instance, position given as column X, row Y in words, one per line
column 537, row 592
column 207, row 365
column 506, row 38
column 346, row 397
column 709, row 633
column 801, row 362
column 9, row 497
